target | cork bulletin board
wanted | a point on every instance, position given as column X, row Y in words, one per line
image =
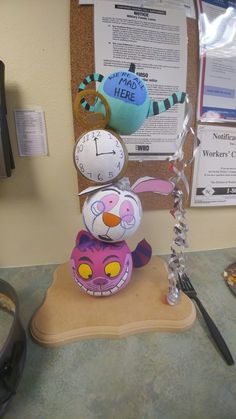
column 82, row 64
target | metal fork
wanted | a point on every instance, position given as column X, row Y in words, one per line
column 187, row 287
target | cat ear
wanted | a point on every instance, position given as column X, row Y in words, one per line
column 83, row 237
column 151, row 184
column 141, row 254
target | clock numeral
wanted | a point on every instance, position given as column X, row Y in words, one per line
column 81, row 167
column 77, row 160
column 100, row 177
column 89, row 174
column 121, row 154
column 118, row 165
column 117, row 143
column 86, row 138
column 110, row 175
column 81, row 147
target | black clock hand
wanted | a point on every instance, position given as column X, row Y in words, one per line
column 101, row 154
column 95, row 139
column 108, row 152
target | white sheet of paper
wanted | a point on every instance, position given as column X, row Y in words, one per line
column 214, row 175
column 156, row 41
column 188, row 5
column 217, row 101
column 217, row 82
column 31, row 132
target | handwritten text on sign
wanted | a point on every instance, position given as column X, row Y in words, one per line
column 127, row 87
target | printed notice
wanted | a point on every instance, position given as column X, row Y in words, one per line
column 214, row 177
column 188, row 5
column 217, row 82
column 31, row 132
column 155, row 40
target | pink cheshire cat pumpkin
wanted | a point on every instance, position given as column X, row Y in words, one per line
column 102, row 269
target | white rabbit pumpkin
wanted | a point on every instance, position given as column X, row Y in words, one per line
column 113, row 212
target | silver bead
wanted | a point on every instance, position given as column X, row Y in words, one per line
column 173, row 296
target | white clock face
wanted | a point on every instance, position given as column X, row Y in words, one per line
column 100, row 156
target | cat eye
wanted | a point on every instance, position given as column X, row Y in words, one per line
column 85, row 271
column 112, row 269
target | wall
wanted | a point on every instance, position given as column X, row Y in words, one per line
column 39, row 208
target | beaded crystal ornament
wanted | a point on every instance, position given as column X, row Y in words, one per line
column 176, row 261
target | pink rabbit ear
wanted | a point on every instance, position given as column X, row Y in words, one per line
column 151, row 184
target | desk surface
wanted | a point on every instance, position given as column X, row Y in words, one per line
column 152, row 375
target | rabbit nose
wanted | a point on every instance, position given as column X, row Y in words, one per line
column 111, row 220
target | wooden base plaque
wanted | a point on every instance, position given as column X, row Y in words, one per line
column 67, row 315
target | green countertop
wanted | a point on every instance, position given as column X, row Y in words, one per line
column 152, row 375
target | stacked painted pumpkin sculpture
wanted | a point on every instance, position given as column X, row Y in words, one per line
column 101, row 260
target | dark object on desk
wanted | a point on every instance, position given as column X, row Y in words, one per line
column 13, row 351
column 187, row 287
column 230, row 277
column 6, row 156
